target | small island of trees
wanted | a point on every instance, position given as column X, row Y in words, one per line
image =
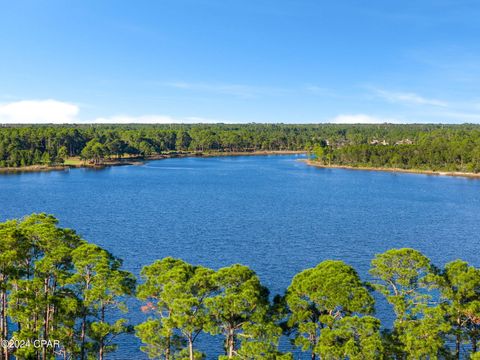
column 56, row 285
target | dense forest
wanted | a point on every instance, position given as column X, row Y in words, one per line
column 446, row 149
column 434, row 147
column 62, row 297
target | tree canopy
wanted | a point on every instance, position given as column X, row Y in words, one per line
column 56, row 286
column 407, row 146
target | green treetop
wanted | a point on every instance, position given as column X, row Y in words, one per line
column 460, row 288
column 101, row 285
column 176, row 293
column 240, row 302
column 319, row 298
column 404, row 277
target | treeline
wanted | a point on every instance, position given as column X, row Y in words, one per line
column 451, row 147
column 57, row 286
column 28, row 145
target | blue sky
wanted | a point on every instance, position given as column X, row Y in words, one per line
column 291, row 61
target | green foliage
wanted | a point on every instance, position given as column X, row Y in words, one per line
column 185, row 300
column 423, row 337
column 459, row 284
column 434, row 147
column 55, row 285
column 176, row 293
column 446, row 148
column 260, row 341
column 159, row 341
column 100, row 285
column 240, row 302
column 404, row 277
column 62, row 154
column 94, row 151
column 351, row 337
column 46, row 159
column 323, row 153
column 320, row 297
column 400, row 275
column 42, row 297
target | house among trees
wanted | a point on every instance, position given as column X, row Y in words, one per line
column 378, row 142
column 404, row 142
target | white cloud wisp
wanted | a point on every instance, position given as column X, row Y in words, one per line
column 408, row 98
column 152, row 119
column 38, row 111
column 360, row 119
column 59, row 112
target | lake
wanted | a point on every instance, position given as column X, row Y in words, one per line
column 272, row 213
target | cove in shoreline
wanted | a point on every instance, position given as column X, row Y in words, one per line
column 139, row 161
column 394, row 170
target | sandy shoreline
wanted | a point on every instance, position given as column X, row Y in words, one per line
column 395, row 170
column 139, row 161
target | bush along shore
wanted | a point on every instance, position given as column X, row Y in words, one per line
column 322, row 164
column 56, row 285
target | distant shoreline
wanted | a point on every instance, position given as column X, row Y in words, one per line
column 77, row 163
column 394, row 170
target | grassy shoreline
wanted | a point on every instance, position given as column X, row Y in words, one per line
column 77, row 163
column 394, row 170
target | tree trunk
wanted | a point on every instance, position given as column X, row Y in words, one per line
column 102, row 345
column 457, row 347
column 82, row 336
column 313, row 341
column 167, row 350
column 190, row 348
column 83, row 333
column 457, row 340
column 35, row 328
column 46, row 318
column 1, row 320
column 230, row 343
column 4, row 325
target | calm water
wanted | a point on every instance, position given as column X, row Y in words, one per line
column 272, row 213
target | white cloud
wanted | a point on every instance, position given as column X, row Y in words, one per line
column 58, row 112
column 360, row 119
column 408, row 98
column 152, row 119
column 38, row 111
column 144, row 119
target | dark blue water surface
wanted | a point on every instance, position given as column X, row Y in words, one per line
column 272, row 213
